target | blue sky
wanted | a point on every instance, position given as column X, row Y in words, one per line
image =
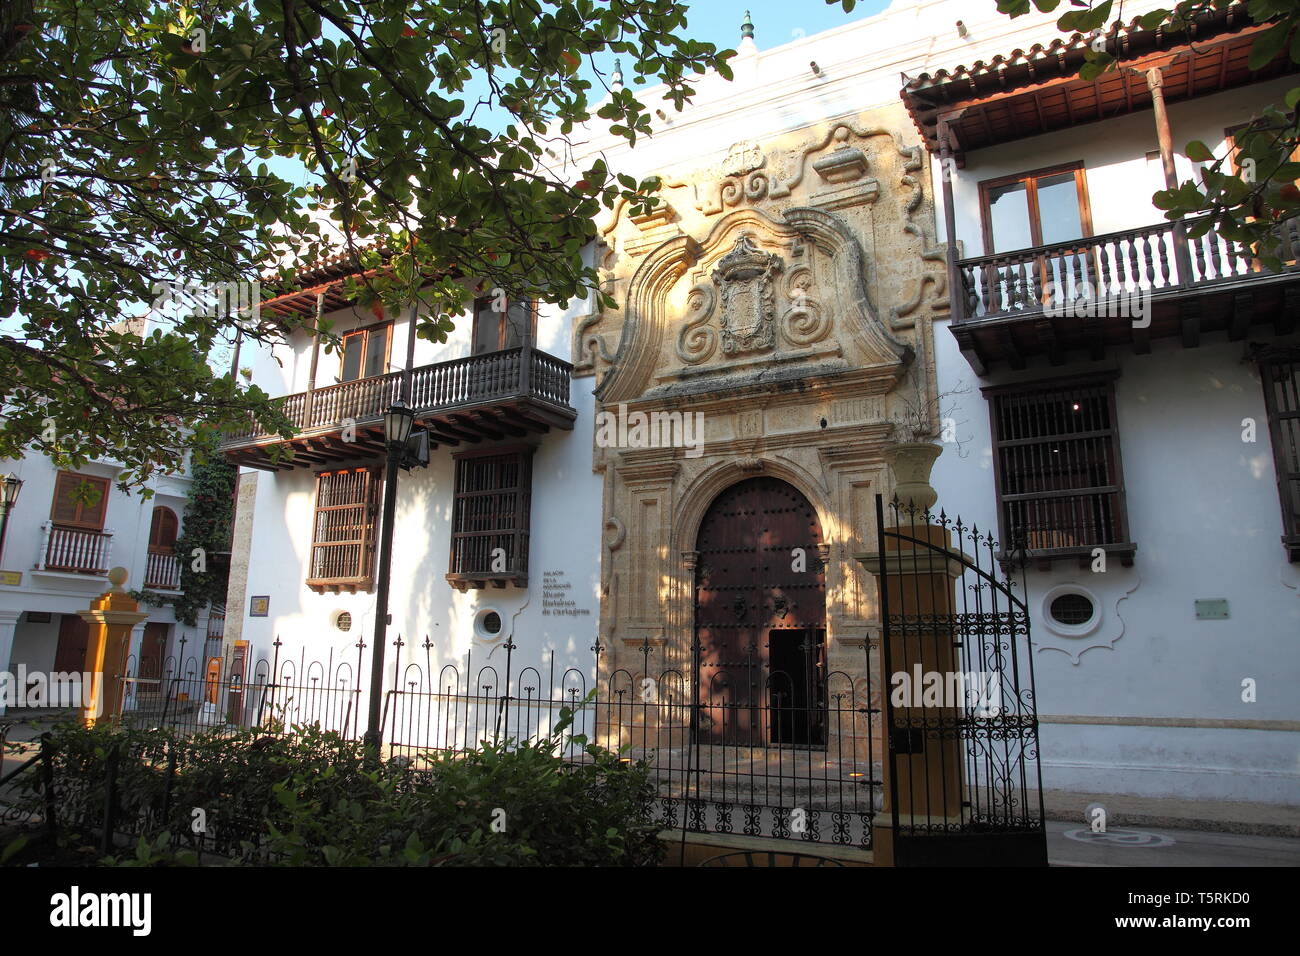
column 775, row 22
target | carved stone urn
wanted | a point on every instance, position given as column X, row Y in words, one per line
column 911, row 461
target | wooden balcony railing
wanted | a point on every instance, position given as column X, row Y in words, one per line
column 162, row 570
column 512, row 373
column 74, row 549
column 1107, row 267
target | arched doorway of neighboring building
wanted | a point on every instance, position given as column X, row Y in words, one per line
column 760, row 618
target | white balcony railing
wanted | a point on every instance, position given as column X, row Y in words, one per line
column 162, row 570
column 74, row 549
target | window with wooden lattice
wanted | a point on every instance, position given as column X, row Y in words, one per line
column 489, row 540
column 1280, row 372
column 343, row 530
column 1060, row 481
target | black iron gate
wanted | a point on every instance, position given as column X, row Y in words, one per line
column 958, row 680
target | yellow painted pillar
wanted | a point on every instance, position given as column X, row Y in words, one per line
column 111, row 617
column 916, row 580
column 919, row 585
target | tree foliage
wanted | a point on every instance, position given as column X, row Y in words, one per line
column 205, row 142
column 1243, row 197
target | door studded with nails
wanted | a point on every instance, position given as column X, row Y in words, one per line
column 760, row 613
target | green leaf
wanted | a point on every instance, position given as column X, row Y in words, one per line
column 13, row 848
column 1268, row 45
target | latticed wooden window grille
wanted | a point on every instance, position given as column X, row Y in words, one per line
column 343, row 531
column 1059, row 477
column 489, row 541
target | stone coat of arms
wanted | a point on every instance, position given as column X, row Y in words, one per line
column 744, row 280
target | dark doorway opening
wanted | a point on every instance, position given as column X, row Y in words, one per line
column 797, row 686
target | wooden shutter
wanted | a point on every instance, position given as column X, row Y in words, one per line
column 163, row 529
column 67, row 509
column 487, row 327
column 377, row 350
column 354, row 346
column 1280, row 371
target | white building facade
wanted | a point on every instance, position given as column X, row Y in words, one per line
column 65, row 531
column 1167, row 673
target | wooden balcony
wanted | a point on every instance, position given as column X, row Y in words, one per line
column 78, row 550
column 1120, row 289
column 162, row 570
column 506, row 394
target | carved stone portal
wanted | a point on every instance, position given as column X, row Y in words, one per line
column 761, row 311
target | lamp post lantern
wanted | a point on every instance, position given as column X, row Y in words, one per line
column 10, row 485
column 397, row 429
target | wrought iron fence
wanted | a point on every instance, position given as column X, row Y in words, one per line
column 768, row 745
column 826, row 790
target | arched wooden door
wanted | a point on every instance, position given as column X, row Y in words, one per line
column 760, row 618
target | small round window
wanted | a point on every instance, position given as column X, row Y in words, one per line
column 1072, row 609
column 343, row 621
column 487, row 624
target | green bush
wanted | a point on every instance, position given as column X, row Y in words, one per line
column 311, row 798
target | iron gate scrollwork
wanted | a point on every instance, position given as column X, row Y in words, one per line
column 965, row 785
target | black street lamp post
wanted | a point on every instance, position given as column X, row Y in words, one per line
column 10, row 485
column 397, row 429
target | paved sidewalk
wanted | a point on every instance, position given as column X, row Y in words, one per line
column 1124, row 810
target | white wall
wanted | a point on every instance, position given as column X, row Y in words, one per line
column 565, row 522
column 1203, row 510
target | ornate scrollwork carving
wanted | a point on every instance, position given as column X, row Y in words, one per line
column 614, row 523
column 803, row 323
column 697, row 341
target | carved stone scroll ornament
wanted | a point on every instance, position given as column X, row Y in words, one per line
column 744, row 278
column 697, row 341
column 804, row 322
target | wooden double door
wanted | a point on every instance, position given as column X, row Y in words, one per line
column 760, row 612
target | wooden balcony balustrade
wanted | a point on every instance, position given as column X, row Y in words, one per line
column 162, row 570
column 1123, row 287
column 79, row 550
column 510, row 393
